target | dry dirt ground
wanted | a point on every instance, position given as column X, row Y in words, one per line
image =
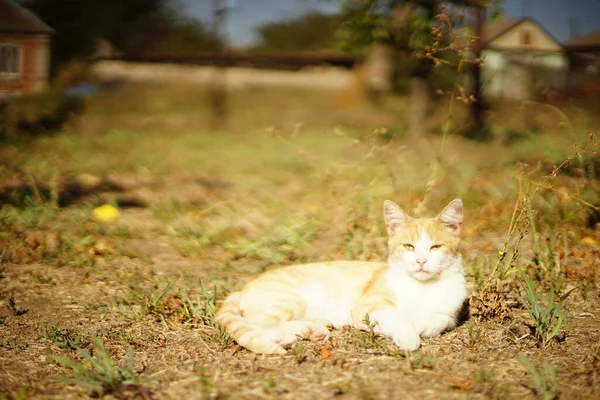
column 203, row 211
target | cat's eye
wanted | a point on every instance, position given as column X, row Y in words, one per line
column 436, row 247
column 409, row 246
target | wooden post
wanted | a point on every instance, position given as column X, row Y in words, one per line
column 477, row 105
column 218, row 85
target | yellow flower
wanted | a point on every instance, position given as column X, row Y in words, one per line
column 106, row 213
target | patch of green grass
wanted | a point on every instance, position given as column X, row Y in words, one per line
column 280, row 244
column 22, row 394
column 268, row 384
column 487, row 384
column 98, row 374
column 144, row 301
column 29, row 216
column 298, row 352
column 14, row 344
column 544, row 379
column 202, row 309
column 419, row 360
column 549, row 319
column 207, row 386
column 65, row 338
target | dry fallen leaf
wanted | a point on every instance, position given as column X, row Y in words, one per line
column 588, row 240
column 460, row 384
column 326, row 353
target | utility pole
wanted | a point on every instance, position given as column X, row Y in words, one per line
column 477, row 105
column 218, row 85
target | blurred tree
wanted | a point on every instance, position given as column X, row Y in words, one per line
column 407, row 26
column 133, row 26
column 313, row 31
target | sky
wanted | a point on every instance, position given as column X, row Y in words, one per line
column 559, row 17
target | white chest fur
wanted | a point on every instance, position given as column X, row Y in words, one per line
column 420, row 301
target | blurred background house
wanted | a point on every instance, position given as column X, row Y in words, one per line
column 522, row 60
column 24, row 50
column 584, row 57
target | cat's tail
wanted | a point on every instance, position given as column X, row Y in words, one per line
column 230, row 318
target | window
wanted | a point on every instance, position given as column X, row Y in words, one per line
column 10, row 59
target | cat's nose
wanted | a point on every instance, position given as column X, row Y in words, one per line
column 421, row 262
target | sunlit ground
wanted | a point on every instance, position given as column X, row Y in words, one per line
column 291, row 177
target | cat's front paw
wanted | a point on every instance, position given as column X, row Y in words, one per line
column 436, row 325
column 407, row 341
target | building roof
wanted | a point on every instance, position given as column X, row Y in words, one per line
column 16, row 19
column 588, row 42
column 494, row 29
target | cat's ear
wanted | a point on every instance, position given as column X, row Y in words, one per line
column 394, row 217
column 452, row 215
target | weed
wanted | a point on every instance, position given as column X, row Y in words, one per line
column 64, row 338
column 368, row 338
column 22, row 394
column 147, row 301
column 12, row 306
column 13, row 344
column 474, row 331
column 486, row 383
column 418, row 360
column 208, row 387
column 267, row 384
column 104, row 376
column 585, row 284
column 545, row 381
column 547, row 320
column 278, row 245
column 298, row 352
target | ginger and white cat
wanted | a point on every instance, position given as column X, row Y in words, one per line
column 418, row 293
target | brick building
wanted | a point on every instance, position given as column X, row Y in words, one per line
column 24, row 50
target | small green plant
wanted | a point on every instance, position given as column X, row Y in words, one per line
column 486, row 383
column 64, row 338
column 208, row 387
column 547, row 320
column 267, row 384
column 98, row 374
column 419, row 360
column 22, row 394
column 545, row 381
column 12, row 306
column 148, row 301
column 298, row 352
column 369, row 337
column 474, row 333
column 203, row 311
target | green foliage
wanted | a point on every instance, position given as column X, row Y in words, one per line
column 64, row 338
column 544, row 379
column 146, row 301
column 208, row 387
column 134, row 27
column 298, row 352
column 313, row 31
column 280, row 244
column 547, row 320
column 98, row 374
column 37, row 113
column 486, row 383
column 363, row 24
column 203, row 310
column 419, row 360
